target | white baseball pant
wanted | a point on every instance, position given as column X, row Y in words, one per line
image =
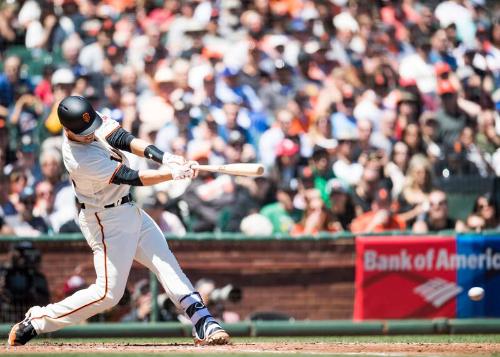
column 117, row 236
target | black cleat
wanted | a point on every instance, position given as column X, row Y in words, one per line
column 21, row 333
column 209, row 332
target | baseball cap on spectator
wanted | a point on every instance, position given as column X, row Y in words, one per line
column 287, row 147
column 345, row 22
column 73, row 284
column 336, row 185
column 297, row 25
column 230, row 4
column 405, row 96
column 442, row 68
column 92, row 27
column 383, row 196
column 164, row 74
column 63, row 76
column 314, row 46
column 211, row 53
column 230, row 72
column 256, row 225
column 407, row 82
column 445, row 87
column 194, row 27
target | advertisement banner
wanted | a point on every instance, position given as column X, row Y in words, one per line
column 400, row 277
column 479, row 266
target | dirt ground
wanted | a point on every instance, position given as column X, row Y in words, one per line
column 454, row 349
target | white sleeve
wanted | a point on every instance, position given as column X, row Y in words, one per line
column 107, row 127
column 98, row 168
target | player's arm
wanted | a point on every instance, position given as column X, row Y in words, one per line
column 125, row 175
column 123, row 140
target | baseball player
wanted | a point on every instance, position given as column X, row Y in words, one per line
column 116, row 229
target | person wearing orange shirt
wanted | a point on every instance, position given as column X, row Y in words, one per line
column 380, row 218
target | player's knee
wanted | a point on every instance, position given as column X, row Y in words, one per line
column 110, row 300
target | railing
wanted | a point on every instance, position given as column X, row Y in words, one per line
column 230, row 236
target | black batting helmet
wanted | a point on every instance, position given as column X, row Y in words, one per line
column 77, row 115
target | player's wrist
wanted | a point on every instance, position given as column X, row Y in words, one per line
column 153, row 153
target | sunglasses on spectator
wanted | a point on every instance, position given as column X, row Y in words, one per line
column 438, row 203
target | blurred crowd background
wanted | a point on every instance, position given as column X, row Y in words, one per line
column 362, row 111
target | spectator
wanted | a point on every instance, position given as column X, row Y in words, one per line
column 346, row 167
column 12, row 84
column 25, row 223
column 271, row 138
column 451, row 118
column 282, row 213
column 397, row 167
column 417, row 187
column 371, row 178
column 22, row 284
column 315, row 217
column 286, row 167
column 168, row 222
column 436, row 218
column 342, row 210
column 63, row 198
column 381, row 217
column 486, row 209
column 230, row 81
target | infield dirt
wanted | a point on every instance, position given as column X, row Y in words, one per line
column 282, row 348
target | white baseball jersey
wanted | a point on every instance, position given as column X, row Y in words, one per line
column 92, row 167
column 117, row 235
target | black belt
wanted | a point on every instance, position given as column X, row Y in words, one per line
column 124, row 199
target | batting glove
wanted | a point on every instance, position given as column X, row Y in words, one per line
column 169, row 159
column 180, row 172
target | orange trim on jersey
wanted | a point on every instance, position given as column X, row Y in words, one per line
column 105, row 279
column 112, row 131
column 114, row 173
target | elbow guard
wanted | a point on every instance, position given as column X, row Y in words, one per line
column 153, row 153
column 120, row 139
column 125, row 175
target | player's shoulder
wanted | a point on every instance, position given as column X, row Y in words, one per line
column 107, row 127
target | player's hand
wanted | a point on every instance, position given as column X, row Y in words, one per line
column 169, row 159
column 192, row 165
column 180, row 172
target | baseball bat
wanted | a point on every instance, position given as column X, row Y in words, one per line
column 234, row 169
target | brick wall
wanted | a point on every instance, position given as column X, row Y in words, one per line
column 305, row 279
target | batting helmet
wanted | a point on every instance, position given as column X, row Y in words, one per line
column 77, row 115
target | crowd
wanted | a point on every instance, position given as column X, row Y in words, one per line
column 358, row 109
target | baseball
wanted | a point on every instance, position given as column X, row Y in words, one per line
column 476, row 293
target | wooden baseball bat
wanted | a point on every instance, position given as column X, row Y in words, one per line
column 234, row 169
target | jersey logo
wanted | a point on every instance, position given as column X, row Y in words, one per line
column 86, row 117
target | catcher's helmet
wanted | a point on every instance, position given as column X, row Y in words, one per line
column 76, row 114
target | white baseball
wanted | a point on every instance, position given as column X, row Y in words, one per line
column 476, row 293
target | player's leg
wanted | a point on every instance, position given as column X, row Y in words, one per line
column 113, row 245
column 154, row 253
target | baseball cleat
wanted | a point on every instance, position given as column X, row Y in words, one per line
column 21, row 333
column 210, row 333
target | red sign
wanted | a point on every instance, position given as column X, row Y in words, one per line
column 401, row 277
